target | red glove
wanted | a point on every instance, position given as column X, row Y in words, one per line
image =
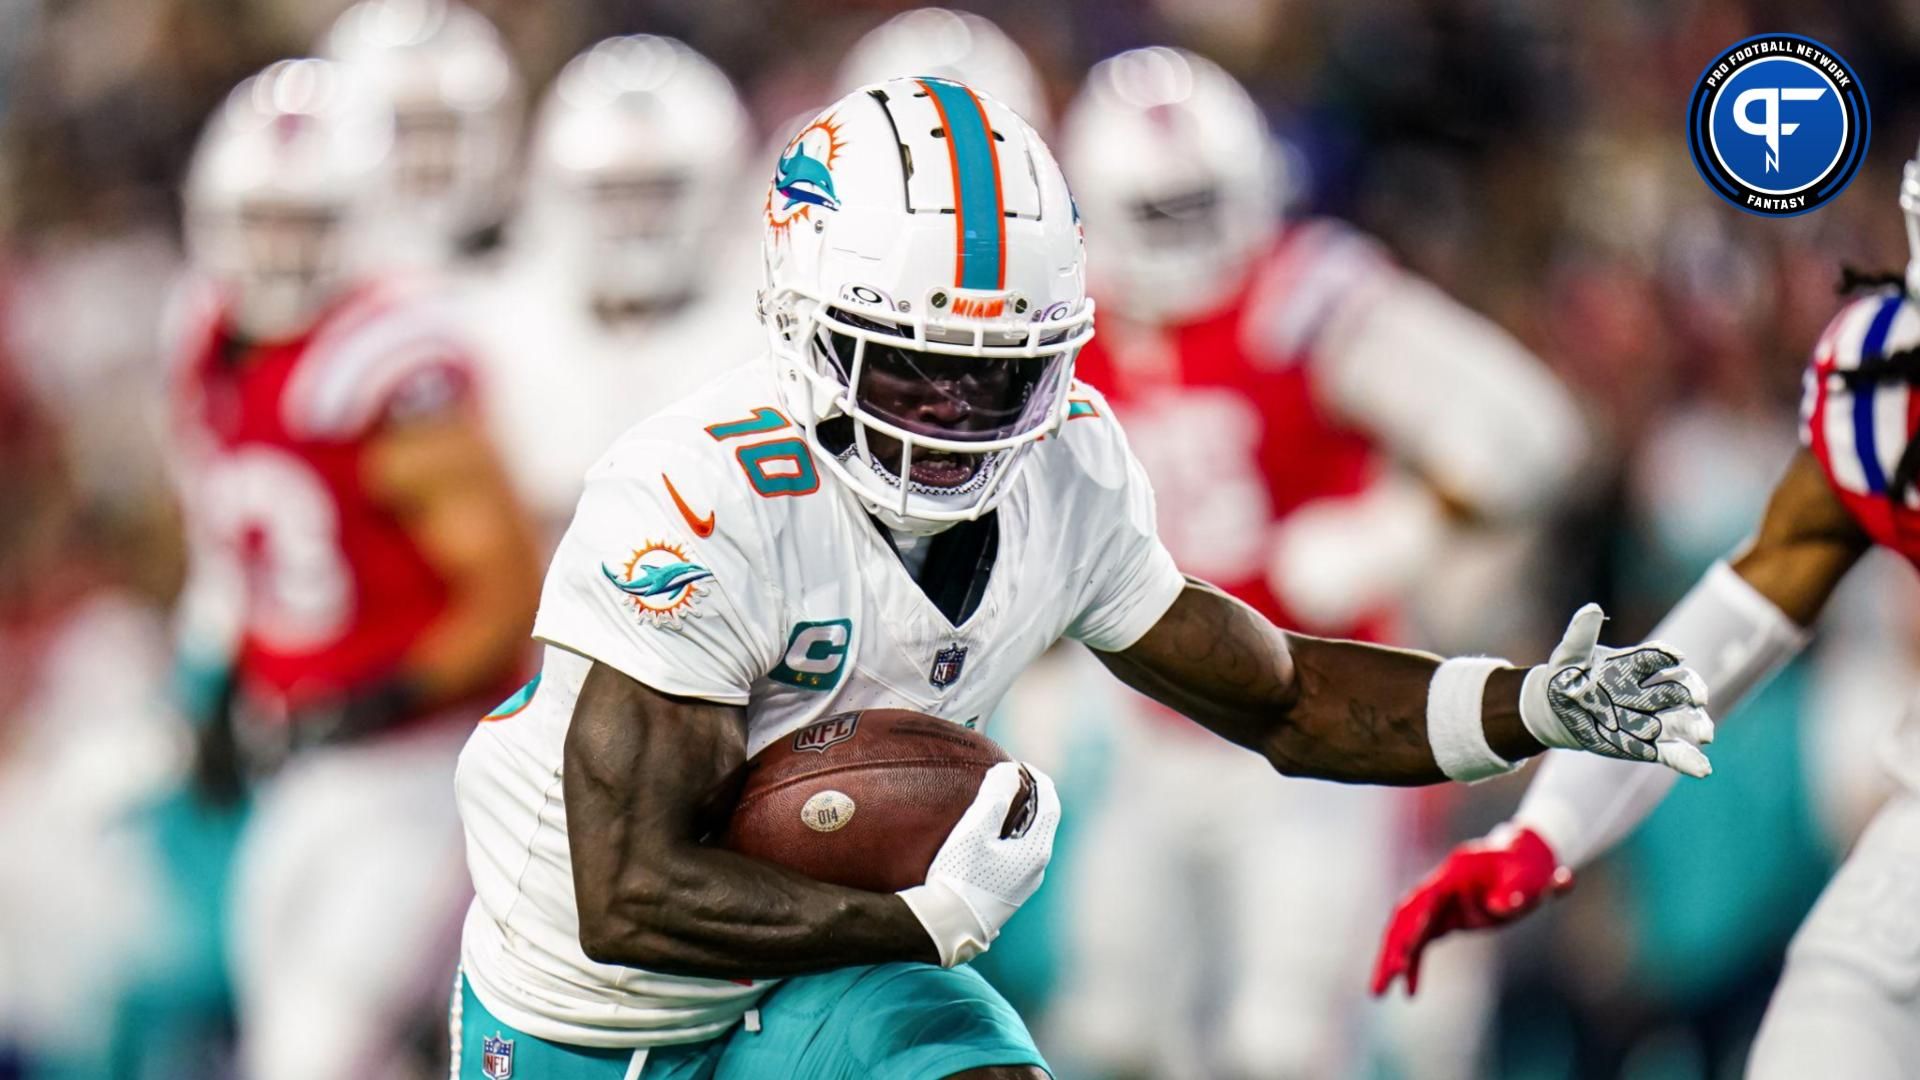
column 1482, row 883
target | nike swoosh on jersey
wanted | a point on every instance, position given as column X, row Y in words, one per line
column 702, row 527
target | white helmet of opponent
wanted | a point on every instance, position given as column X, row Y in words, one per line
column 456, row 100
column 280, row 196
column 956, row 45
column 925, row 297
column 636, row 154
column 1910, row 209
column 1179, row 177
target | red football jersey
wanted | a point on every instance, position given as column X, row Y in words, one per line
column 274, row 444
column 1223, row 414
column 1859, row 427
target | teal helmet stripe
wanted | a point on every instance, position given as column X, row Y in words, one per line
column 978, row 222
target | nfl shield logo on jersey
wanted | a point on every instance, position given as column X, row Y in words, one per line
column 946, row 666
column 496, row 1058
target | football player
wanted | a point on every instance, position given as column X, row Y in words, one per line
column 1848, row 1003
column 629, row 259
column 1313, row 419
column 903, row 506
column 357, row 546
column 456, row 100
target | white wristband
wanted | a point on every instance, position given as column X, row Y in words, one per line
column 1454, row 721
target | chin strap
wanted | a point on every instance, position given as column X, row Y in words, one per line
column 905, row 524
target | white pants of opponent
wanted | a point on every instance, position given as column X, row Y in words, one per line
column 349, row 886
column 1225, row 918
column 1848, row 1004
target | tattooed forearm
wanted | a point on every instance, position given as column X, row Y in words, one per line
column 1369, row 722
column 1215, row 660
column 1337, row 710
column 1361, row 714
column 642, row 772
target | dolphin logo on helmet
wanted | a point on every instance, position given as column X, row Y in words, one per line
column 803, row 175
column 803, row 179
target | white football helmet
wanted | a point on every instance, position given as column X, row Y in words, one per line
column 926, row 295
column 278, row 201
column 637, row 151
column 956, row 45
column 456, row 99
column 1179, row 178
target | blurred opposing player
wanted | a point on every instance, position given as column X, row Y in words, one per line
column 957, row 45
column 1848, row 1003
column 357, row 546
column 904, row 506
column 456, row 101
column 631, row 278
column 1312, row 417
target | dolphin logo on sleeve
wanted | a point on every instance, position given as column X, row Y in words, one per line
column 659, row 581
column 652, row 581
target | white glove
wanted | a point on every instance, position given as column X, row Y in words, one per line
column 990, row 863
column 1637, row 704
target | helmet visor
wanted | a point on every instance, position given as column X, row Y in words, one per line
column 428, row 152
column 636, row 211
column 1188, row 219
column 297, row 246
column 946, row 396
column 634, row 230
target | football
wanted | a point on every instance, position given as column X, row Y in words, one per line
column 862, row 799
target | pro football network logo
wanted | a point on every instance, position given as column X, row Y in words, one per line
column 1778, row 125
column 803, row 178
column 660, row 581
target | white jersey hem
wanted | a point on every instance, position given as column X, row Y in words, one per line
column 574, row 1033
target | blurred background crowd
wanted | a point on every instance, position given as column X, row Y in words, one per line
column 1526, row 157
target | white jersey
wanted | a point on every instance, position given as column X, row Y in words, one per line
column 711, row 556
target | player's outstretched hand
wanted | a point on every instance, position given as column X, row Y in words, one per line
column 993, row 860
column 1482, row 883
column 1639, row 703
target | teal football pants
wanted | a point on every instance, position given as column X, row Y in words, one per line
column 892, row 1020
